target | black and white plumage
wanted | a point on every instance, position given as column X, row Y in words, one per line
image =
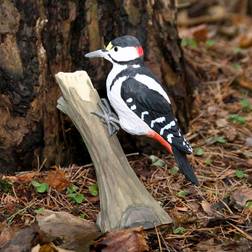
column 139, row 100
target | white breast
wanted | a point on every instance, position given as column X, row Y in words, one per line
column 129, row 121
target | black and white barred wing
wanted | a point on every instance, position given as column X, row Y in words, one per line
column 155, row 110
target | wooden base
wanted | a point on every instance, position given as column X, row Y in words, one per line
column 124, row 201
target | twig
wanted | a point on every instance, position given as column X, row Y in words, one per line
column 246, row 235
column 11, row 218
column 164, row 242
column 159, row 241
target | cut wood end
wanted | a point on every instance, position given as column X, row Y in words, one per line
column 78, row 80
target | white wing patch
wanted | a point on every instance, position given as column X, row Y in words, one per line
column 157, row 120
column 143, row 114
column 169, row 138
column 168, row 126
column 133, row 107
column 129, row 100
column 152, row 84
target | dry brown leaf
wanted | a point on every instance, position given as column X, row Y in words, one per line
column 245, row 82
column 249, row 161
column 22, row 240
column 193, row 206
column 182, row 209
column 246, row 40
column 221, row 123
column 49, row 247
column 248, row 141
column 57, row 179
column 212, row 110
column 200, row 33
column 132, row 239
column 23, row 177
column 74, row 232
column 207, row 208
column 230, row 133
column 242, row 195
column 6, row 233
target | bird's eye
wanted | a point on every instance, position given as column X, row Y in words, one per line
column 115, row 49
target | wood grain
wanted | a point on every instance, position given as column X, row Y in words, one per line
column 124, row 201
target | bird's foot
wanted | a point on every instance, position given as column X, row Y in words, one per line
column 108, row 117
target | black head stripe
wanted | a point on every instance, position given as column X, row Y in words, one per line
column 126, row 41
column 129, row 62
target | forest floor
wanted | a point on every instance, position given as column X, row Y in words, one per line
column 216, row 216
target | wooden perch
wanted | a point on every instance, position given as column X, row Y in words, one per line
column 124, row 201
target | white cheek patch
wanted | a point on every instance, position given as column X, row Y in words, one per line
column 124, row 53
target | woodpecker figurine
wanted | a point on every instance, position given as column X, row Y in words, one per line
column 141, row 104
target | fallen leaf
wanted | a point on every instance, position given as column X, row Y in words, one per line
column 247, row 154
column 212, row 110
column 242, row 195
column 223, row 113
column 207, row 208
column 74, row 232
column 193, row 206
column 6, row 233
column 132, row 239
column 230, row 133
column 246, row 40
column 248, row 141
column 221, row 123
column 25, row 177
column 182, row 209
column 22, row 240
column 200, row 33
column 245, row 82
column 249, row 161
column 49, row 247
column 57, row 179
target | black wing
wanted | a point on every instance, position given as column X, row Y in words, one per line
column 154, row 109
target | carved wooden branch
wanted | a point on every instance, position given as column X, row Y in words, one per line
column 124, row 201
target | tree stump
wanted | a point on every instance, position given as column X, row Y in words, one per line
column 40, row 38
column 124, row 201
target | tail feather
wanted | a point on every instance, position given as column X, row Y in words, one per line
column 184, row 166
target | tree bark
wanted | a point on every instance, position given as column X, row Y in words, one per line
column 41, row 38
column 124, row 201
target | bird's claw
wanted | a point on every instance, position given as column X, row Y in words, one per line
column 108, row 117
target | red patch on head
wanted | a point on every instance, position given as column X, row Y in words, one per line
column 140, row 51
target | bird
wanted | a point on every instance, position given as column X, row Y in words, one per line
column 140, row 103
